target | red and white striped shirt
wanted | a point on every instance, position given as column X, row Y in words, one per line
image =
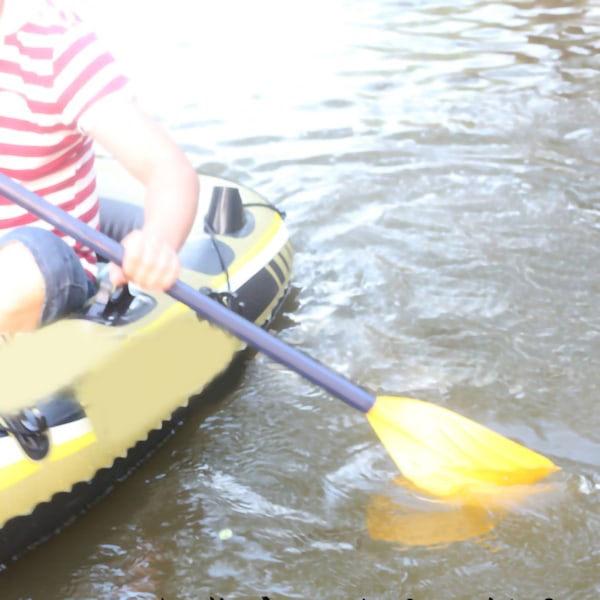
column 54, row 77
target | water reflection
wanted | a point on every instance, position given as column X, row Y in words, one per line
column 416, row 520
column 438, row 164
column 431, row 526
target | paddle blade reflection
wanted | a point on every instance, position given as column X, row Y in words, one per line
column 433, row 525
column 402, row 516
column 447, row 455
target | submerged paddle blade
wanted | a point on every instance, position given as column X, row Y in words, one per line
column 445, row 454
column 427, row 525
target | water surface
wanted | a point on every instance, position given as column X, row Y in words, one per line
column 438, row 162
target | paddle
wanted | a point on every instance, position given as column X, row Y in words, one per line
column 439, row 451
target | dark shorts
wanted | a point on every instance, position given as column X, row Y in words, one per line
column 68, row 286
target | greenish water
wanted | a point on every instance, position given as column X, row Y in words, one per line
column 438, row 163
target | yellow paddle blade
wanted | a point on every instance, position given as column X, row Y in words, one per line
column 445, row 454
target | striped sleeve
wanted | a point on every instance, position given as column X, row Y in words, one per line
column 55, row 76
column 85, row 74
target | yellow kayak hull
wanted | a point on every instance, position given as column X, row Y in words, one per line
column 83, row 400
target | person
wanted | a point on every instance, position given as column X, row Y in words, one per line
column 61, row 93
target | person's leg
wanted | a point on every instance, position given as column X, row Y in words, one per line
column 23, row 289
column 42, row 279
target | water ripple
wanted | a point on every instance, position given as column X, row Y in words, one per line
column 438, row 165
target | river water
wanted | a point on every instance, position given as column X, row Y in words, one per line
column 438, row 163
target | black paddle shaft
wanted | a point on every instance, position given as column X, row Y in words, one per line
column 210, row 309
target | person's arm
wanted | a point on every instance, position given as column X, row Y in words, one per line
column 171, row 199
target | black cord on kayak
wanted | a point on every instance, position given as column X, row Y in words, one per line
column 268, row 205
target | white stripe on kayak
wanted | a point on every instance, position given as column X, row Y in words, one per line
column 11, row 451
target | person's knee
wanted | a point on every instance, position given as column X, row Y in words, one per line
column 22, row 290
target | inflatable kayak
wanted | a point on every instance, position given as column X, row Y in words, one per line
column 84, row 400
